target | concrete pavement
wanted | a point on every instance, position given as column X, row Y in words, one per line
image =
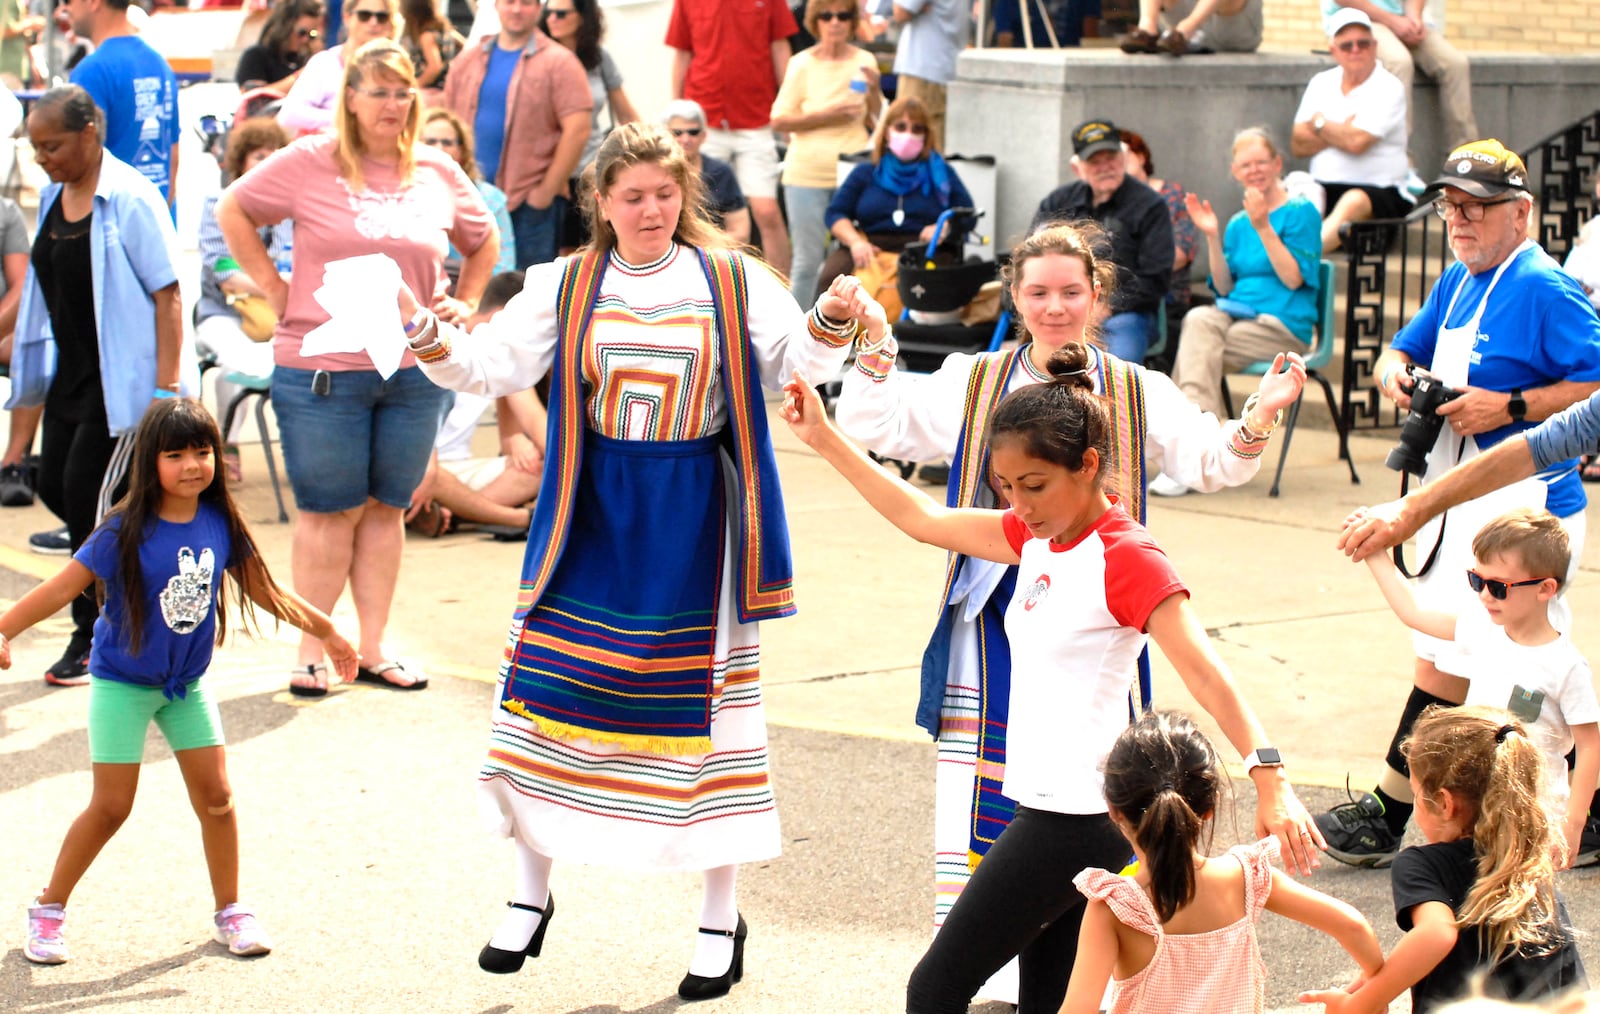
column 363, row 851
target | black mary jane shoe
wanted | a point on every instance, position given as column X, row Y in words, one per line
column 502, row 962
column 699, row 987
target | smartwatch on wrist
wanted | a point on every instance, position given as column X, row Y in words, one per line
column 1262, row 757
column 1517, row 406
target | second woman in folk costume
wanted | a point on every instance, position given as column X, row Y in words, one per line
column 630, row 730
column 1056, row 282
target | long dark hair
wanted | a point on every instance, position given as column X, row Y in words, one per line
column 421, row 16
column 1163, row 778
column 591, row 29
column 279, row 28
column 1059, row 420
column 178, row 424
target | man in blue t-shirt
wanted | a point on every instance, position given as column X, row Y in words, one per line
column 136, row 89
column 1517, row 336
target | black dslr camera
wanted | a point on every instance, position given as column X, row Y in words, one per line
column 1421, row 428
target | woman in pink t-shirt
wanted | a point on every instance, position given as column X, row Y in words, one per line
column 355, row 442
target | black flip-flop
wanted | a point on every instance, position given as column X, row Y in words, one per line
column 300, row 690
column 374, row 676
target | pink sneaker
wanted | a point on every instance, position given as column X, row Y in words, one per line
column 46, row 945
column 237, row 927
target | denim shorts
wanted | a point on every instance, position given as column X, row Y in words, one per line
column 119, row 714
column 366, row 438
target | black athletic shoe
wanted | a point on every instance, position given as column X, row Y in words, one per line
column 72, row 668
column 55, row 542
column 15, row 490
column 1357, row 834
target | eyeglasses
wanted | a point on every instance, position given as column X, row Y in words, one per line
column 1499, row 589
column 381, row 17
column 441, row 142
column 559, row 12
column 1472, row 211
column 904, row 127
column 400, row 95
column 825, row 16
column 305, row 33
column 687, row 131
column 1353, row 45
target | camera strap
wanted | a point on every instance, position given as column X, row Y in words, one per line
column 1444, row 520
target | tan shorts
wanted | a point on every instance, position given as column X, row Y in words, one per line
column 753, row 155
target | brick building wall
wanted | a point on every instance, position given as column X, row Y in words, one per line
column 1537, row 26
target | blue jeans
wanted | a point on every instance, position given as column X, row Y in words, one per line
column 538, row 232
column 806, row 206
column 1127, row 335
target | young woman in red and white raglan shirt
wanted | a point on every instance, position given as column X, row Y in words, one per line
column 1092, row 585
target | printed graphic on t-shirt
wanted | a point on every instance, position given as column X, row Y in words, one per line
column 1525, row 703
column 1037, row 592
column 392, row 216
column 187, row 597
column 148, row 111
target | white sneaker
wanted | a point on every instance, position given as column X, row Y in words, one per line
column 1415, row 184
column 1165, row 485
column 238, row 927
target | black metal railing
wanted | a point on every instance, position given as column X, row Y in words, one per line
column 1563, row 168
column 1393, row 263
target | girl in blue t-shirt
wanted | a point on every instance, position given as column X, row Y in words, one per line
column 159, row 557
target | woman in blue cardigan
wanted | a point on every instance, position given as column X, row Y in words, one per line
column 894, row 199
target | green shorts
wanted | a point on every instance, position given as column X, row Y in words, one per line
column 120, row 713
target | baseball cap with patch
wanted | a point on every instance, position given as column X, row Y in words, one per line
column 1482, row 169
column 1094, row 136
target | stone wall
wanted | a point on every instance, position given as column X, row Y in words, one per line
column 1020, row 106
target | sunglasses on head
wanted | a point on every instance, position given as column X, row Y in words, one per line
column 825, row 16
column 1353, row 45
column 686, row 131
column 381, row 17
column 1499, row 589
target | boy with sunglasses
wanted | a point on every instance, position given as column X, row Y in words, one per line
column 1513, row 656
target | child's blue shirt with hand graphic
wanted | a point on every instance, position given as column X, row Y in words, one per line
column 182, row 566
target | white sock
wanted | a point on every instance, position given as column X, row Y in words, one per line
column 532, row 888
column 719, row 909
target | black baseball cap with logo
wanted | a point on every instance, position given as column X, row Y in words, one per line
column 1481, row 168
column 1094, row 136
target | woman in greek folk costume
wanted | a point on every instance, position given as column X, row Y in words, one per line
column 629, row 729
column 966, row 669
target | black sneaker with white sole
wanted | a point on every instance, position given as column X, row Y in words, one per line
column 1357, row 834
column 72, row 668
column 55, row 542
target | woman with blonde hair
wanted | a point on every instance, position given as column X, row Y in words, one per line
column 356, row 442
column 629, row 729
column 310, row 104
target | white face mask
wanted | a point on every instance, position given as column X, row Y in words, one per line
column 906, row 146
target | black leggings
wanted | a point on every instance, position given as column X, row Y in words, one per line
column 76, row 459
column 1019, row 903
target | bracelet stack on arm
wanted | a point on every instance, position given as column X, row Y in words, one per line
column 427, row 343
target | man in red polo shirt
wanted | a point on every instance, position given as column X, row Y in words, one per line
column 731, row 57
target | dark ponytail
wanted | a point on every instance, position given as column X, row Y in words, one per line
column 1163, row 778
column 1059, row 420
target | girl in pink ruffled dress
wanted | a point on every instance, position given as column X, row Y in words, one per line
column 1179, row 936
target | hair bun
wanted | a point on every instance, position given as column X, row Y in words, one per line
column 1069, row 367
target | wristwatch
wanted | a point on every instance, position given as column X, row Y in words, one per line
column 1262, row 757
column 1318, row 122
column 1517, row 406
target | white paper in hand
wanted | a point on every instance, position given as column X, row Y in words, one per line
column 363, row 314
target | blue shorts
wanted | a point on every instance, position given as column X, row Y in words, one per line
column 366, row 438
column 119, row 714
